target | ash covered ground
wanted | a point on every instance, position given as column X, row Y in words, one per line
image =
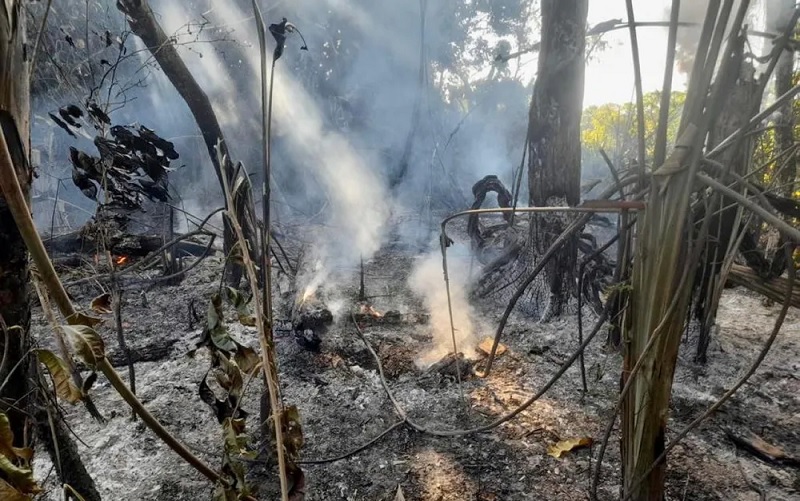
column 342, row 403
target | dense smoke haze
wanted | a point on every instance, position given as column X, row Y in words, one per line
column 379, row 126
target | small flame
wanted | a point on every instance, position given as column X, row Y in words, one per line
column 368, row 309
column 120, row 260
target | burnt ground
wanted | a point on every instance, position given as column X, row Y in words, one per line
column 342, row 404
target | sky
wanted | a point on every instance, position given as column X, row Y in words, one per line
column 609, row 75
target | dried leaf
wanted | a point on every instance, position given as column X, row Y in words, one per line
column 19, row 477
column 6, row 437
column 559, row 449
column 292, row 431
column 246, row 358
column 79, row 318
column 215, row 328
column 230, row 378
column 62, row 380
column 766, row 448
column 9, row 493
column 7, row 448
column 399, row 495
column 235, row 436
column 87, row 343
column 101, row 304
column 240, row 303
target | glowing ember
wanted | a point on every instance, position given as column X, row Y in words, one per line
column 367, row 309
column 120, row 260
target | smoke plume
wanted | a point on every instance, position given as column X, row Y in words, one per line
column 426, row 281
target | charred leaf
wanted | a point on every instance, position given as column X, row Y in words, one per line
column 61, row 124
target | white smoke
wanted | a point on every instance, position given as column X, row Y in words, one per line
column 427, row 280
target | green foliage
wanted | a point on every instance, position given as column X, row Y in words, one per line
column 612, row 126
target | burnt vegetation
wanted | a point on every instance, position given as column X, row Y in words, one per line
column 397, row 255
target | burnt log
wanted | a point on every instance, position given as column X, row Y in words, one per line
column 310, row 321
column 85, row 241
column 774, row 288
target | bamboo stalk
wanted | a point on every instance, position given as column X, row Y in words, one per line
column 267, row 347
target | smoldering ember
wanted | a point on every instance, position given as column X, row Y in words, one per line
column 399, row 250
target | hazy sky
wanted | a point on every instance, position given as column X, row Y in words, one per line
column 609, row 76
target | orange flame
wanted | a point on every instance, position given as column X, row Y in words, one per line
column 368, row 309
column 120, row 260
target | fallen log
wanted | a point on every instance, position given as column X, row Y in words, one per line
column 774, row 288
column 83, row 242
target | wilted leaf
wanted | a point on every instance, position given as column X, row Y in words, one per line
column 21, row 478
column 9, row 493
column 559, row 449
column 62, row 379
column 87, row 343
column 206, row 395
column 6, row 437
column 246, row 358
column 215, row 327
column 7, row 448
column 235, row 436
column 292, row 431
column 230, row 377
column 766, row 448
column 222, row 408
column 79, row 318
column 240, row 303
column 101, row 304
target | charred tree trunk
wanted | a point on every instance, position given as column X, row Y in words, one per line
column 19, row 399
column 554, row 169
column 143, row 23
column 14, row 272
column 554, row 154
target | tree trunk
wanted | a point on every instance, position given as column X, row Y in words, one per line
column 14, row 304
column 19, row 400
column 143, row 23
column 779, row 12
column 554, row 155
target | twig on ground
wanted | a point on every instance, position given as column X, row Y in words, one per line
column 357, row 449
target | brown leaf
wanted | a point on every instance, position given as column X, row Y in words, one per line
column 246, row 358
column 101, row 304
column 87, row 343
column 79, row 318
column 558, row 449
column 9, row 493
column 62, row 379
column 767, row 449
column 399, row 495
column 19, row 477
